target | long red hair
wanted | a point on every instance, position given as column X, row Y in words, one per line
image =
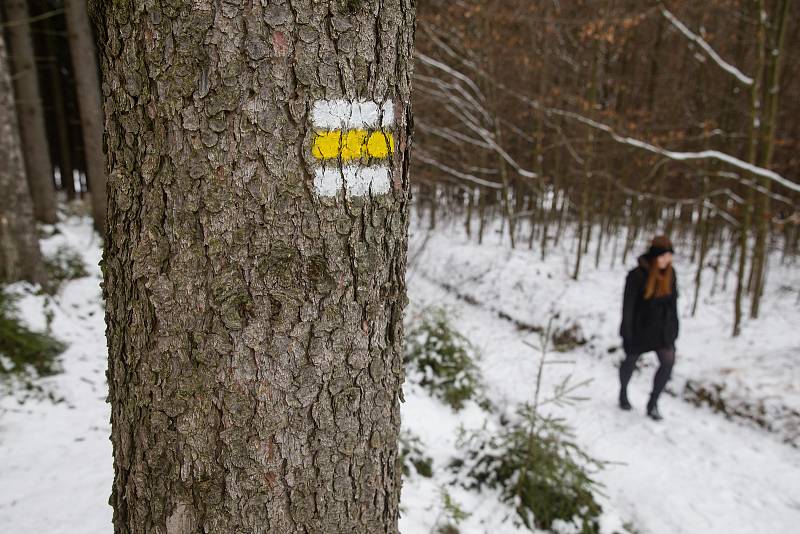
column 659, row 281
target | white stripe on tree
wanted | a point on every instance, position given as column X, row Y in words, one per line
column 345, row 114
column 356, row 180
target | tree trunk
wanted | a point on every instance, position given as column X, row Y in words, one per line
column 434, row 202
column 562, row 216
column 614, row 250
column 735, row 241
column 20, row 258
column 718, row 263
column 255, row 263
column 767, row 145
column 58, row 95
column 84, row 64
column 698, row 277
column 38, row 167
column 603, row 225
column 534, row 213
column 470, row 193
column 481, row 214
column 655, row 62
column 752, row 153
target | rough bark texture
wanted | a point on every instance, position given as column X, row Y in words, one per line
column 20, row 258
column 39, row 169
column 84, row 64
column 254, row 328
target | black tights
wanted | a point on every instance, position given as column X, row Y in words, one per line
column 666, row 359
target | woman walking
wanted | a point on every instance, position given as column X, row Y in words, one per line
column 650, row 319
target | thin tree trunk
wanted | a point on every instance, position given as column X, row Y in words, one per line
column 697, row 228
column 434, row 205
column 655, row 62
column 549, row 217
column 789, row 240
column 670, row 217
column 84, row 64
column 20, row 258
column 584, row 218
column 255, row 281
column 717, row 265
column 698, row 278
column 616, row 243
column 734, row 248
column 581, row 234
column 468, row 219
column 507, row 214
column 38, row 167
column 752, row 152
column 767, row 144
column 603, row 227
column 630, row 238
column 59, row 109
column 535, row 207
column 562, row 217
column 481, row 215
column 547, row 214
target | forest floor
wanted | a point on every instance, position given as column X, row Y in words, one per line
column 729, row 466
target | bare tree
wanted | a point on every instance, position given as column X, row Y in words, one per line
column 38, row 166
column 631, row 116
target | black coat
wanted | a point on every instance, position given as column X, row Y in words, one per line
column 647, row 324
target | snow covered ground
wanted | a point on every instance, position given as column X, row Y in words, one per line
column 696, row 472
column 55, row 458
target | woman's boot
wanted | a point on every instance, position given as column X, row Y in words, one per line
column 623, row 400
column 652, row 411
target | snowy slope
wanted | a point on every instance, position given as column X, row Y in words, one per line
column 56, row 470
column 759, row 368
column 696, row 472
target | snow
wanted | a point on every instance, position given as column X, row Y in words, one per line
column 702, row 43
column 56, row 470
column 748, row 168
column 698, row 471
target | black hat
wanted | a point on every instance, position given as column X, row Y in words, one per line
column 658, row 246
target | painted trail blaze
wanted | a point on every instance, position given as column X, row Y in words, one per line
column 352, row 144
column 357, row 134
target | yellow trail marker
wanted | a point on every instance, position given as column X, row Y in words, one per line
column 352, row 144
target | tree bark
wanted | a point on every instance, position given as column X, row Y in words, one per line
column 470, row 193
column 39, row 169
column 767, row 146
column 752, row 154
column 20, row 258
column 58, row 95
column 254, row 310
column 483, row 195
column 84, row 64
column 704, row 231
